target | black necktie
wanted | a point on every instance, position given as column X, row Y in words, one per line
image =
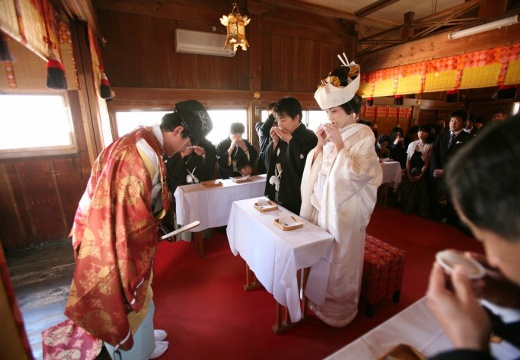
column 452, row 137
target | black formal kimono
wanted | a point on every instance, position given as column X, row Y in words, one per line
column 263, row 129
column 229, row 170
column 285, row 168
column 200, row 168
column 509, row 332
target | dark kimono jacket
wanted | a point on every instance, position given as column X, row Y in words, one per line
column 291, row 158
column 227, row 171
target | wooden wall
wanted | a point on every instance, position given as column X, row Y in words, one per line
column 39, row 195
column 290, row 52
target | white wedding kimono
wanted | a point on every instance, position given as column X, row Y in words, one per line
column 339, row 192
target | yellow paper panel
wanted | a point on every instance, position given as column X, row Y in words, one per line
column 513, row 73
column 364, row 90
column 409, row 85
column 440, row 81
column 384, row 88
column 480, row 76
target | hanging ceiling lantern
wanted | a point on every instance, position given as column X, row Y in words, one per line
column 236, row 29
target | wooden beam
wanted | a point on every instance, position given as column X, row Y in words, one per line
column 436, row 47
column 372, row 8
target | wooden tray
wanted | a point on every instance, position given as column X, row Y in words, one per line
column 291, row 227
column 212, row 183
column 403, row 352
column 272, row 206
column 241, row 179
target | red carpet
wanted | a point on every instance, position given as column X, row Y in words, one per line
column 202, row 305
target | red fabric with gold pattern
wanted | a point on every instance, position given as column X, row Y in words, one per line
column 115, row 239
column 68, row 341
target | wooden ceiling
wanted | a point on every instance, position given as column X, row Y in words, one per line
column 378, row 24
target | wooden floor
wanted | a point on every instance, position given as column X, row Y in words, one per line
column 41, row 279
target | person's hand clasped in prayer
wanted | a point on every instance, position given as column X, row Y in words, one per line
column 329, row 132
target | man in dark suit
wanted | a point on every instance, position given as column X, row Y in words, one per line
column 444, row 148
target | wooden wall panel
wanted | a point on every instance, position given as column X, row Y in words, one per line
column 38, row 200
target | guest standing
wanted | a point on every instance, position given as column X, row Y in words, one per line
column 415, row 184
column 444, row 148
column 397, row 149
column 264, row 129
column 286, row 154
column 339, row 190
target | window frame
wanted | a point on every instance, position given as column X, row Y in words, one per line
column 44, row 151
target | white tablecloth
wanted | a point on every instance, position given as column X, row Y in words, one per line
column 415, row 326
column 211, row 206
column 275, row 255
column 391, row 173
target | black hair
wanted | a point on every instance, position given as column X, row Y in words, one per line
column 483, row 179
column 353, row 105
column 271, row 105
column 288, row 106
column 382, row 138
column 499, row 111
column 170, row 121
column 237, row 128
column 242, row 163
column 393, row 133
column 460, row 113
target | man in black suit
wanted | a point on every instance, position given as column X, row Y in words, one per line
column 444, row 148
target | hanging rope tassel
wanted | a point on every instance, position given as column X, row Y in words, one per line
column 5, row 54
column 104, row 88
column 55, row 73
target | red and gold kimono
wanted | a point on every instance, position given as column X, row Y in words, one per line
column 115, row 239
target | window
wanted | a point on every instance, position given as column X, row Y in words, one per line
column 222, row 120
column 35, row 125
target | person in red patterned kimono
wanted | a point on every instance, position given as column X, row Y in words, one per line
column 115, row 234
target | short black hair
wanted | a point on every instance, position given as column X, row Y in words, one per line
column 170, row 121
column 242, row 163
column 288, row 106
column 461, row 113
column 483, row 179
column 237, row 128
column 271, row 105
column 499, row 111
column 382, row 138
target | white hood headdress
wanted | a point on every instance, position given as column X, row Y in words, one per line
column 340, row 86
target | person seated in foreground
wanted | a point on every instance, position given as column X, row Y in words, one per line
column 483, row 181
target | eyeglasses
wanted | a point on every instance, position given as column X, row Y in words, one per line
column 185, row 131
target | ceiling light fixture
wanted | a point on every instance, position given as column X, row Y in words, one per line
column 236, row 29
column 484, row 27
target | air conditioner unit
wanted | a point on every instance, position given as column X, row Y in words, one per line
column 204, row 43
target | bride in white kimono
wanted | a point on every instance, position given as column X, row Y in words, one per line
column 339, row 190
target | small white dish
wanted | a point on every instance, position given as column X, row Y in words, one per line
column 448, row 259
